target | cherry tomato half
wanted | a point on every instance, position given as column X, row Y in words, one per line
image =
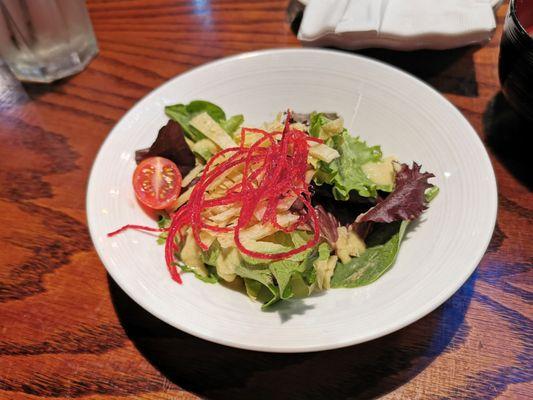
column 157, row 182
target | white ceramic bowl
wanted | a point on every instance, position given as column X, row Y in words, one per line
column 381, row 104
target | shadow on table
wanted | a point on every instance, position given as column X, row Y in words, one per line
column 508, row 135
column 359, row 372
column 448, row 71
column 36, row 90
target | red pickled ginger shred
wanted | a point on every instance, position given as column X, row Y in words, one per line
column 273, row 169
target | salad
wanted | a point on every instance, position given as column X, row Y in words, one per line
column 291, row 208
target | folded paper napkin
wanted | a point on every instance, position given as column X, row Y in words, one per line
column 397, row 24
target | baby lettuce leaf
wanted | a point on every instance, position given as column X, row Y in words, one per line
column 208, row 257
column 283, row 271
column 298, row 239
column 324, row 125
column 431, row 193
column 297, row 278
column 317, row 121
column 163, row 222
column 328, row 224
column 336, row 213
column 270, row 282
column 268, row 294
column 288, row 241
column 170, row 143
column 212, row 254
column 408, row 199
column 382, row 248
column 345, row 173
column 212, row 276
column 184, row 113
column 231, row 125
column 253, row 288
column 308, row 269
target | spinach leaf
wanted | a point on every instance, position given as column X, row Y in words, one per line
column 382, row 248
column 231, row 125
column 200, row 106
column 184, row 113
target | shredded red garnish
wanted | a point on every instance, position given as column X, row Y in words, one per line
column 273, row 169
column 136, row 227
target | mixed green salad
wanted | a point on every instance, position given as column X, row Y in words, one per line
column 284, row 210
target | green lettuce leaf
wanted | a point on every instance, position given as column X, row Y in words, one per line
column 231, row 125
column 382, row 248
column 183, row 113
column 323, row 251
column 163, row 222
column 320, row 264
column 162, row 238
column 253, row 288
column 210, row 256
column 317, row 121
column 431, row 193
column 283, row 271
column 297, row 278
column 298, row 239
column 289, row 241
column 268, row 294
column 322, row 127
column 345, row 173
column 309, row 271
column 212, row 276
column 283, row 279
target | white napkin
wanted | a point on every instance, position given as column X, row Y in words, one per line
column 397, row 24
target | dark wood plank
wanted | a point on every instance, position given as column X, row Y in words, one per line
column 68, row 331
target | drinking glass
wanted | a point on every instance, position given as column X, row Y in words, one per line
column 45, row 40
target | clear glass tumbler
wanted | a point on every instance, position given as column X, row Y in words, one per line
column 45, row 40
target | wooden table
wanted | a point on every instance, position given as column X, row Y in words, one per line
column 68, row 331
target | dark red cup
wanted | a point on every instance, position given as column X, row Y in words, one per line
column 516, row 57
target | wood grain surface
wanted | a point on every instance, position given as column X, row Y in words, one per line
column 68, row 331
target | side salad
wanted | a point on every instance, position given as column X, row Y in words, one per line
column 293, row 207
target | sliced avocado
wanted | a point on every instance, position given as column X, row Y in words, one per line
column 324, row 266
column 323, row 127
column 324, row 153
column 227, row 263
column 348, row 244
column 211, row 129
column 324, row 271
column 191, row 255
column 205, row 148
column 382, row 172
